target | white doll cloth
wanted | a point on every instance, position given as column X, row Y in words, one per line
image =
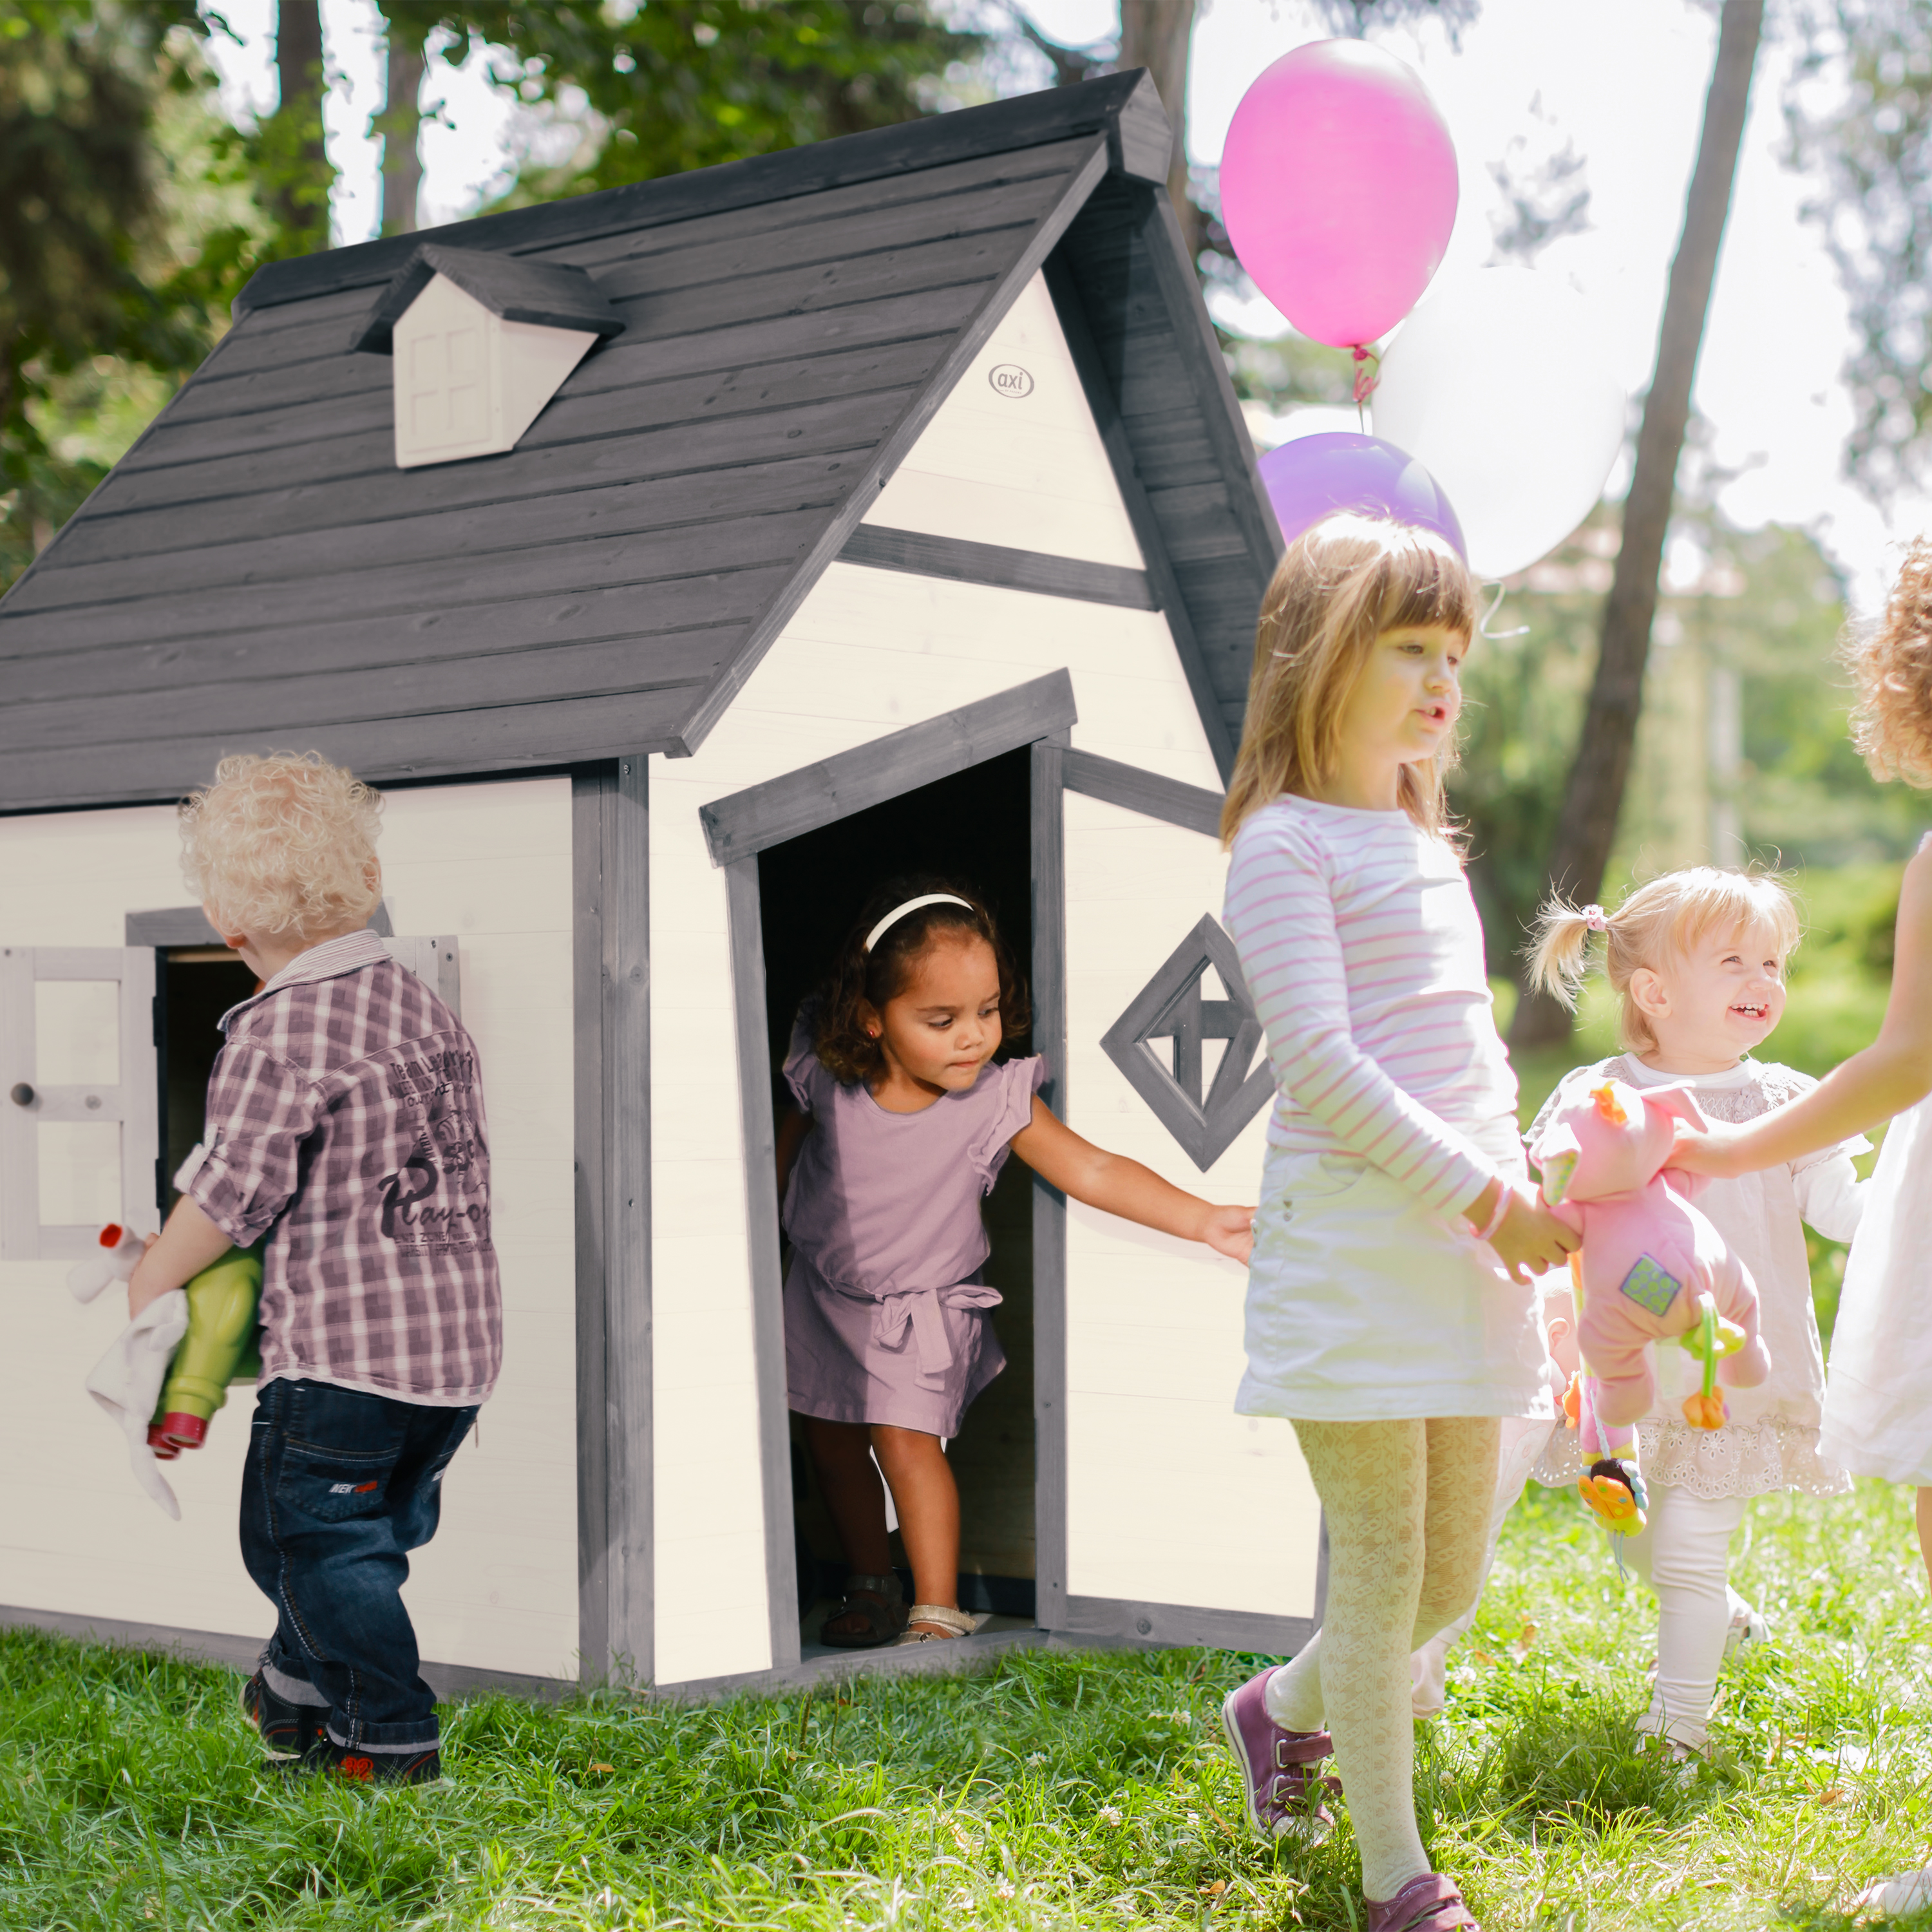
column 127, row 1383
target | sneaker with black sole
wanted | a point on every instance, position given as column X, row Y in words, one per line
column 288, row 1730
column 357, row 1764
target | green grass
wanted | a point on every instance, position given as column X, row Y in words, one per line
column 1059, row 1789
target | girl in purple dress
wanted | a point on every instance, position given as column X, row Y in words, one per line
column 903, row 1125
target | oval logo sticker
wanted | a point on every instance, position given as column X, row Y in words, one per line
column 1010, row 380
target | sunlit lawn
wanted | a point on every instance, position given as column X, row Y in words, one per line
column 1059, row 1789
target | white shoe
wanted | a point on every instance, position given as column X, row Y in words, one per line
column 1749, row 1625
column 1894, row 1896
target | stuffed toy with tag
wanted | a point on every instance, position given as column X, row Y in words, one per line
column 1652, row 1269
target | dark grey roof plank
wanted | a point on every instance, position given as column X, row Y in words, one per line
column 705, row 437
column 328, row 377
column 598, row 563
column 923, row 313
column 725, row 600
column 1033, row 120
column 710, row 497
column 604, row 667
column 508, row 738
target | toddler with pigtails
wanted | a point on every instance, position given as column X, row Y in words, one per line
column 1697, row 961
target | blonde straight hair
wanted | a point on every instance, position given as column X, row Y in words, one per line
column 1655, row 924
column 1341, row 585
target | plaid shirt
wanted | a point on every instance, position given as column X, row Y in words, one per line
column 345, row 1121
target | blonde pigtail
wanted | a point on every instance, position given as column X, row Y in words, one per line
column 1559, row 954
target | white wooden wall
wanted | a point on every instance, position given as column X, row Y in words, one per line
column 497, row 1589
column 869, row 652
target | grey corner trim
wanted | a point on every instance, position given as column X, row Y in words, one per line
column 1105, row 407
column 895, row 447
column 1170, row 1005
column 761, row 1226
column 1141, row 140
column 954, row 558
column 1049, row 1205
column 449, row 1681
column 1148, row 793
column 743, row 824
column 1171, row 1625
column 610, row 999
column 188, row 925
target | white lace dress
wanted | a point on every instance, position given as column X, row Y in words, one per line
column 1771, row 1440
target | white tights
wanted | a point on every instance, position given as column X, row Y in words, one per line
column 1407, row 1506
column 1683, row 1554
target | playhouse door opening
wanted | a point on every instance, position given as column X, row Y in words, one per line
column 975, row 826
column 196, row 985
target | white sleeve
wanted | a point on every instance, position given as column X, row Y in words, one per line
column 1830, row 1196
column 1281, row 915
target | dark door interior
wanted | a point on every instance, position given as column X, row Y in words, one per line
column 975, row 826
column 196, row 984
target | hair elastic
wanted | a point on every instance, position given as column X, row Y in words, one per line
column 898, row 912
column 1595, row 918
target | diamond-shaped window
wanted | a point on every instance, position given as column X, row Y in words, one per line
column 1164, row 1044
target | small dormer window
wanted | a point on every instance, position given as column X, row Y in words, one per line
column 480, row 342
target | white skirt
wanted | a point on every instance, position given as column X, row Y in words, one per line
column 1878, row 1389
column 1364, row 1305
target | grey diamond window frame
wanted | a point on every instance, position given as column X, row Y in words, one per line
column 1207, row 1127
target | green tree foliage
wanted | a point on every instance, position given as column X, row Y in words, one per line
column 88, row 280
column 660, row 88
column 1871, row 149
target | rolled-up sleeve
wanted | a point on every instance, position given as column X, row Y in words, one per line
column 260, row 1111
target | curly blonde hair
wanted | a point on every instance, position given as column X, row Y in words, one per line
column 283, row 844
column 1340, row 586
column 1657, row 922
column 1892, row 664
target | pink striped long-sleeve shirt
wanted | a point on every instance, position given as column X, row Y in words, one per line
column 1363, row 955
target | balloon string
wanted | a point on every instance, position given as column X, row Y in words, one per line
column 1495, row 604
column 1365, row 379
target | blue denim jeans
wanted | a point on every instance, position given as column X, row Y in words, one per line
column 339, row 1487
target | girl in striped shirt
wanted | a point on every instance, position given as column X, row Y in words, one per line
column 1390, row 1314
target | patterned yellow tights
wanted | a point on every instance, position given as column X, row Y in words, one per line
column 1407, row 1505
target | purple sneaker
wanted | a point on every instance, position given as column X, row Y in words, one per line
column 1429, row 1903
column 1284, row 1794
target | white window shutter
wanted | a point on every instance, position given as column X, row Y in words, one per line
column 434, row 962
column 79, row 1126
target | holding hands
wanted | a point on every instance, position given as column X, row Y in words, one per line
column 1528, row 1238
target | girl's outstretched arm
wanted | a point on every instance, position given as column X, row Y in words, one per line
column 1122, row 1186
column 1893, row 1073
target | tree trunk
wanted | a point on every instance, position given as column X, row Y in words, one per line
column 1155, row 34
column 1586, row 825
column 400, row 124
column 301, row 191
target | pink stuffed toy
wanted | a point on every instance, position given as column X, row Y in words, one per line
column 1652, row 1269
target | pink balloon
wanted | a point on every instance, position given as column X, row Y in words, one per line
column 1338, row 188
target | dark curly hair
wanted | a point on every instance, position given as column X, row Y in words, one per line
column 1892, row 664
column 839, row 1037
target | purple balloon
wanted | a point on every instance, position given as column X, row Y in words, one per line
column 1316, row 476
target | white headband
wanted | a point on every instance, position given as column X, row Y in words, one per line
column 898, row 912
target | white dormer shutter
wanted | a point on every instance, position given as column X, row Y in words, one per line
column 80, row 1114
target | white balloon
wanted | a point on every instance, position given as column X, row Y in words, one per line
column 1500, row 386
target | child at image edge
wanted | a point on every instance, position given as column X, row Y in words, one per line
column 1390, row 1314
column 344, row 1124
column 1697, row 960
column 1878, row 1416
column 904, row 1123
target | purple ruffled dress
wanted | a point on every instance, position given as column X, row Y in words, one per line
column 886, row 1320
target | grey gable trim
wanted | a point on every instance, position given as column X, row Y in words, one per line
column 1147, row 793
column 920, row 554
column 552, row 294
column 1123, row 110
column 743, row 824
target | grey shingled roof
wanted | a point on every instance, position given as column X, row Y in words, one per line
column 553, row 294
column 256, row 572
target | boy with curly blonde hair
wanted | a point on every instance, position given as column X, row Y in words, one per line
column 345, row 1129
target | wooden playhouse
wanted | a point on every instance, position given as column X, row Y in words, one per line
column 681, row 559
